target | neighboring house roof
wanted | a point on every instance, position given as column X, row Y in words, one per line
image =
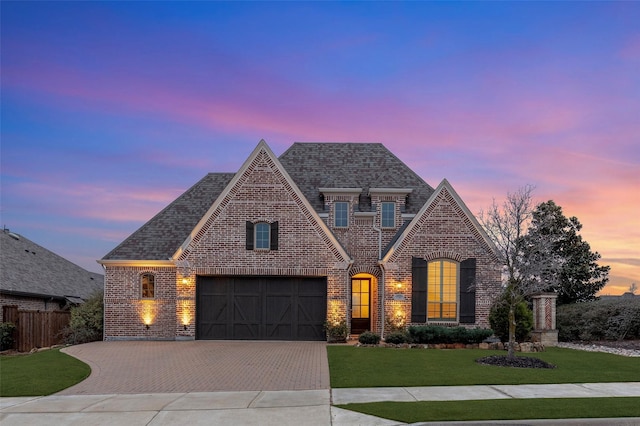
column 351, row 165
column 27, row 269
column 310, row 165
column 165, row 232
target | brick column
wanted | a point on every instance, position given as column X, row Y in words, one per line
column 544, row 319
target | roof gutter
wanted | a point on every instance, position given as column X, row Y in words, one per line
column 125, row 262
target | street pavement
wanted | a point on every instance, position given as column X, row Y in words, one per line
column 168, row 389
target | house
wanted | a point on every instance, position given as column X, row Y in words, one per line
column 324, row 233
column 34, row 278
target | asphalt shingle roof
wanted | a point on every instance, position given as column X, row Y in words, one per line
column 27, row 268
column 351, row 165
column 310, row 165
column 160, row 237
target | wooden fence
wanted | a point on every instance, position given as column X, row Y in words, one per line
column 36, row 329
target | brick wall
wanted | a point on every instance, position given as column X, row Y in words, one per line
column 126, row 312
column 444, row 231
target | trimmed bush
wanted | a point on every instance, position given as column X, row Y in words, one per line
column 369, row 338
column 499, row 320
column 396, row 338
column 7, row 330
column 436, row 334
column 609, row 319
column 336, row 333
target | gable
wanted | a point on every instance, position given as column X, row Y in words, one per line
column 444, row 214
column 261, row 190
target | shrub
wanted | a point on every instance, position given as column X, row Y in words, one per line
column 369, row 338
column 7, row 330
column 86, row 322
column 499, row 320
column 614, row 319
column 336, row 332
column 394, row 324
column 436, row 334
column 396, row 338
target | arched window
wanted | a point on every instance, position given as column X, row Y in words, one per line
column 442, row 290
column 147, row 285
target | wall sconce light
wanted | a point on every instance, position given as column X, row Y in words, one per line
column 185, row 281
column 185, row 327
column 146, row 326
column 398, row 286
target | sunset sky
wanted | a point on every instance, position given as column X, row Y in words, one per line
column 112, row 110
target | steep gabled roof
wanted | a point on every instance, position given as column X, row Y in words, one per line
column 351, row 165
column 262, row 154
column 310, row 166
column 406, row 232
column 161, row 236
column 28, row 269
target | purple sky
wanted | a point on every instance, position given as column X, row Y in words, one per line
column 111, row 110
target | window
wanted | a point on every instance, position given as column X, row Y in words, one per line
column 341, row 214
column 388, row 215
column 262, row 235
column 442, row 290
column 148, row 284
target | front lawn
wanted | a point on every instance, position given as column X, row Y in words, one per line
column 40, row 373
column 352, row 366
column 502, row 409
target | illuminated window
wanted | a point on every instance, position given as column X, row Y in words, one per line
column 262, row 235
column 442, row 290
column 388, row 215
column 341, row 214
column 148, row 284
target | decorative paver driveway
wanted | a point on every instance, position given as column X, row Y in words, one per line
column 200, row 366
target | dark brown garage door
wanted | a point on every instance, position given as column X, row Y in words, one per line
column 264, row 308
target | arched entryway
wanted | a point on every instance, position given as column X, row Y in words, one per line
column 363, row 303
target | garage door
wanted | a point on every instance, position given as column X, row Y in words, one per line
column 264, row 308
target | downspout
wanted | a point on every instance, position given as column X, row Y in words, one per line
column 382, row 298
column 375, row 228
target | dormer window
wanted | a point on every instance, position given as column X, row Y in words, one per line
column 341, row 214
column 388, row 212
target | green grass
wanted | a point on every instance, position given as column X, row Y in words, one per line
column 376, row 367
column 501, row 409
column 40, row 373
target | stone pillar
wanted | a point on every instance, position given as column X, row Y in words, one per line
column 544, row 319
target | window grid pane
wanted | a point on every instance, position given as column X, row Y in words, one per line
column 388, row 215
column 442, row 292
column 341, row 210
column 262, row 235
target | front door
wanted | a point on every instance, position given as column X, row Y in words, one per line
column 360, row 305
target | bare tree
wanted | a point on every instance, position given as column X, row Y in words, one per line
column 507, row 225
column 633, row 288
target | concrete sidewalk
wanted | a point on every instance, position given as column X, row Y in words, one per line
column 308, row 407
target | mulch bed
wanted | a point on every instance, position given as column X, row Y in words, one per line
column 515, row 362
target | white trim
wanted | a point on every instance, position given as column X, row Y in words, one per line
column 140, row 263
column 340, row 191
column 390, row 191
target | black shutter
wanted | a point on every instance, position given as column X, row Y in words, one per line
column 249, row 235
column 418, row 290
column 468, row 291
column 273, row 244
